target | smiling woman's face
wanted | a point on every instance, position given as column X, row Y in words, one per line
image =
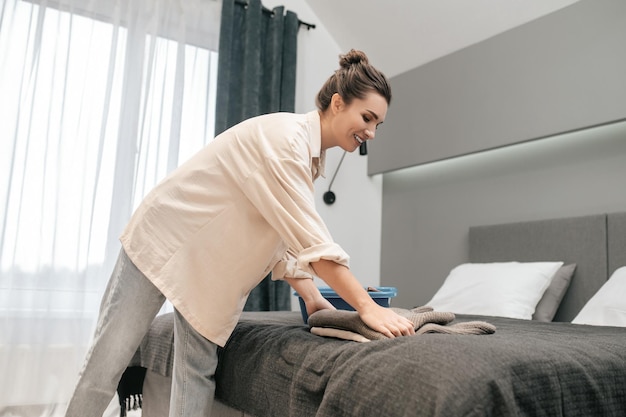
column 351, row 124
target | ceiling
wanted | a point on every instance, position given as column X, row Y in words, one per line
column 399, row 35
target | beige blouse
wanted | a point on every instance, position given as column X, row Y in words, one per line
column 241, row 207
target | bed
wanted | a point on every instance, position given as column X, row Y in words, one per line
column 273, row 366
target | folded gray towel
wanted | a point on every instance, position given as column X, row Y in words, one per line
column 424, row 318
column 468, row 327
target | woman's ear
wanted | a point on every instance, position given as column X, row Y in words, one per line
column 336, row 103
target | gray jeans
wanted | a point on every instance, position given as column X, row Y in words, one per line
column 128, row 307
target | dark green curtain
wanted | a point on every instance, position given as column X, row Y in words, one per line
column 256, row 75
column 257, row 62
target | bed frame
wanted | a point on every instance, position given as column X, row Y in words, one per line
column 595, row 243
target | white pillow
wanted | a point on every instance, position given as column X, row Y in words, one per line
column 506, row 289
column 608, row 306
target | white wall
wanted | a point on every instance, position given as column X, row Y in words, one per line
column 354, row 219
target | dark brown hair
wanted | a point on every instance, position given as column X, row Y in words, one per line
column 354, row 79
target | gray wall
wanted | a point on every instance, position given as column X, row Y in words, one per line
column 561, row 72
column 504, row 104
column 428, row 209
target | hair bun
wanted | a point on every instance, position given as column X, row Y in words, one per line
column 354, row 79
column 353, row 57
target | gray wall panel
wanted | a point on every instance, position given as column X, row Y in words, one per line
column 562, row 72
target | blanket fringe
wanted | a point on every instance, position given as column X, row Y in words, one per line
column 132, row 402
column 129, row 389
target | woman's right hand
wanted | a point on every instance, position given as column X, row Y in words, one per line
column 311, row 295
column 319, row 303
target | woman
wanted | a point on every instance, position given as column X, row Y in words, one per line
column 210, row 231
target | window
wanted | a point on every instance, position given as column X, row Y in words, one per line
column 86, row 101
column 97, row 106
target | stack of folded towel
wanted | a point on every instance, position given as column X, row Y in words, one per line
column 348, row 325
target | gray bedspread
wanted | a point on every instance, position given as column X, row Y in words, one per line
column 272, row 366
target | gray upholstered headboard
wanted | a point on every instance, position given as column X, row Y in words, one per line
column 616, row 227
column 596, row 244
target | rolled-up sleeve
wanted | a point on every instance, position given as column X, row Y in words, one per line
column 282, row 191
column 288, row 267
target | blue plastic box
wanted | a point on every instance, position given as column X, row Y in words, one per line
column 382, row 297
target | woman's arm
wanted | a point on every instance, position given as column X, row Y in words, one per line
column 306, row 288
column 346, row 285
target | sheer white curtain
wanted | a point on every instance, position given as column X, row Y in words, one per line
column 99, row 100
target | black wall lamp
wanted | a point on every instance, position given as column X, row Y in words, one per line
column 329, row 196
